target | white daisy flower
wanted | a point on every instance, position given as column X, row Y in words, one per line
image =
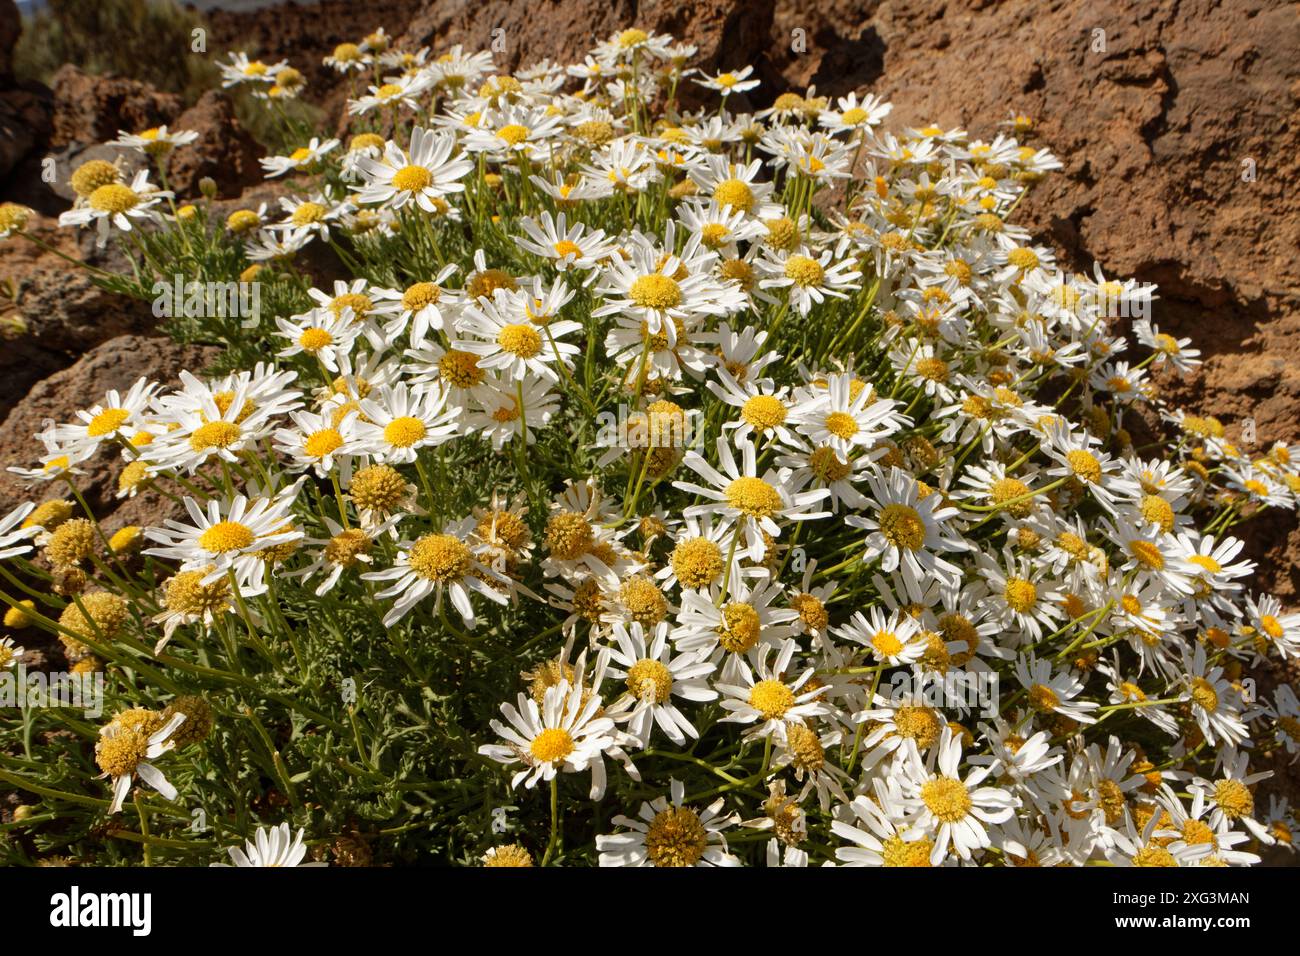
column 563, row 735
column 955, row 810
column 669, row 834
column 654, row 676
column 447, row 562
column 431, row 168
column 398, row 420
column 271, row 846
column 754, row 503
column 124, row 751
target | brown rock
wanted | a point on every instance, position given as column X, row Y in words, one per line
column 728, row 33
column 92, row 109
column 224, row 150
column 56, row 312
column 305, row 34
column 116, row 363
column 24, row 124
column 66, row 311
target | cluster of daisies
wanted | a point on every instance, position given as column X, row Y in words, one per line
column 871, row 438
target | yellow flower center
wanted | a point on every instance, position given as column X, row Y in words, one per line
column 763, row 412
column 566, row 247
column 119, row 755
column 218, row 434
column 900, row 852
column 1148, row 554
column 1008, row 490
column 753, row 497
column 811, row 611
column 421, row 295
column 92, row 175
column 1158, row 511
column 1042, row 698
column 242, row 220
column 644, row 601
column 1198, row 833
column 804, row 271
column 378, row 488
column 771, row 698
column 697, row 562
column 321, row 443
column 841, row 425
column 226, row 536
column 483, row 284
column 1023, row 258
column 568, row 535
column 308, row 213
column 676, row 837
column 1271, row 626
column 551, row 745
column 411, row 179
column 1020, row 594
column 460, row 369
column 886, row 643
column 1154, row 856
column 1084, row 465
column 366, row 141
column 947, row 799
column 781, row 233
column 632, row 37
column 853, row 116
column 919, row 724
column 650, row 680
column 107, row 422
column 314, row 339
column 440, row 557
column 358, row 303
column 347, row 547
column 514, row 134
column 902, row 527
column 113, row 198
column 740, row 628
column 520, row 340
column 404, row 432
column 734, row 194
column 1204, row 695
column 655, row 291
column 1234, row 799
column 825, row 463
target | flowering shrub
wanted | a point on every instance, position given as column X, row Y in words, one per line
column 655, row 487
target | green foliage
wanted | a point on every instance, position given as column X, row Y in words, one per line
column 146, row 40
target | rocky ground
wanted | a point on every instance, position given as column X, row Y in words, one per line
column 1176, row 121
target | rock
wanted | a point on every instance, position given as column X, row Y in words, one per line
column 93, row 109
column 223, row 151
column 61, row 312
column 306, row 33
column 728, row 33
column 24, row 124
column 66, row 311
column 115, row 363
